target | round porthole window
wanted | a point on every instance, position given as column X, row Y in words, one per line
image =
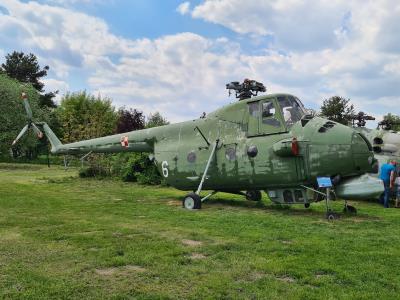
column 230, row 154
column 252, row 151
column 191, row 157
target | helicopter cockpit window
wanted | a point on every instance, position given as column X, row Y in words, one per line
column 268, row 114
column 253, row 109
column 292, row 109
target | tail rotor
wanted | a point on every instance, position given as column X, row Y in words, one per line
column 30, row 124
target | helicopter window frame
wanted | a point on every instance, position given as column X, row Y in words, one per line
column 291, row 108
column 254, row 108
column 269, row 113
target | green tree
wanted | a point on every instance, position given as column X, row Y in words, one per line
column 13, row 116
column 155, row 120
column 337, row 109
column 393, row 121
column 129, row 120
column 25, row 68
column 84, row 116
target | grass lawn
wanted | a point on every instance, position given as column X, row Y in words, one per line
column 62, row 237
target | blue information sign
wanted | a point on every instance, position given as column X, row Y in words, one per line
column 324, row 182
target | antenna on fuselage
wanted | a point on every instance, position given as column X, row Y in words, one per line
column 247, row 89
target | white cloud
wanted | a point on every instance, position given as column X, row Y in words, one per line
column 183, row 8
column 297, row 24
column 317, row 51
column 56, row 85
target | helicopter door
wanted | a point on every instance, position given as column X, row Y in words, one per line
column 265, row 118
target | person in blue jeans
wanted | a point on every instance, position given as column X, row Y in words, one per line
column 388, row 175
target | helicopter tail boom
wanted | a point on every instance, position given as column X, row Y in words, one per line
column 135, row 141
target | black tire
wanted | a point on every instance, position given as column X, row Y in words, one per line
column 350, row 209
column 331, row 216
column 191, row 201
column 253, row 195
column 306, row 205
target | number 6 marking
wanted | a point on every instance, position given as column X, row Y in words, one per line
column 164, row 167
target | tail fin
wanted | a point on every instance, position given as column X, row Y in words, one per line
column 53, row 139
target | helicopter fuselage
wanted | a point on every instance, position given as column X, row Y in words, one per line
column 262, row 143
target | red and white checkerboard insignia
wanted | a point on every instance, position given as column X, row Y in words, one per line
column 124, row 142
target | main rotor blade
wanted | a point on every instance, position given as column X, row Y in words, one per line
column 28, row 110
column 21, row 134
column 37, row 131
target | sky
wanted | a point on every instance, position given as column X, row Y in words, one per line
column 175, row 56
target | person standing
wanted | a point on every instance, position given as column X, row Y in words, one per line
column 387, row 176
column 397, row 182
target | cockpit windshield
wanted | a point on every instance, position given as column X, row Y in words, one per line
column 292, row 109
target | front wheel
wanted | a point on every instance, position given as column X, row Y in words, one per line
column 191, row 201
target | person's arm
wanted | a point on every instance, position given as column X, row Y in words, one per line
column 392, row 178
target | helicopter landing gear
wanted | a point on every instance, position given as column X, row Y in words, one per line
column 253, row 195
column 349, row 209
column 191, row 201
column 330, row 215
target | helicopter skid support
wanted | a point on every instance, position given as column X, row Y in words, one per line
column 207, row 167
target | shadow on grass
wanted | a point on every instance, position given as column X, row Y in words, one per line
column 284, row 209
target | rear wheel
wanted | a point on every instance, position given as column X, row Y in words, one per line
column 191, row 201
column 350, row 209
column 253, row 195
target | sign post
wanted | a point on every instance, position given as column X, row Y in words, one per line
column 326, row 183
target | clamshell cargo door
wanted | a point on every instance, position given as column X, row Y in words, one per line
column 265, row 118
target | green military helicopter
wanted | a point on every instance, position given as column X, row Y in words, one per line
column 386, row 147
column 260, row 143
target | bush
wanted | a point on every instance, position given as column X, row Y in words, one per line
column 130, row 167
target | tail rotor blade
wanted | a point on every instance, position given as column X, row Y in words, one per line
column 28, row 110
column 37, row 131
column 21, row 134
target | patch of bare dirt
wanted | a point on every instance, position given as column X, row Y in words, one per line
column 124, row 270
column 133, row 268
column 287, row 279
column 174, row 203
column 10, row 236
column 192, row 243
column 106, row 272
column 286, row 242
column 254, row 276
column 197, row 256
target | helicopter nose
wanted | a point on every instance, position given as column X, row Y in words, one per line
column 336, row 149
column 363, row 158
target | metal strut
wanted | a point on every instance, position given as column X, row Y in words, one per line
column 207, row 166
column 66, row 163
column 327, row 199
column 83, row 157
